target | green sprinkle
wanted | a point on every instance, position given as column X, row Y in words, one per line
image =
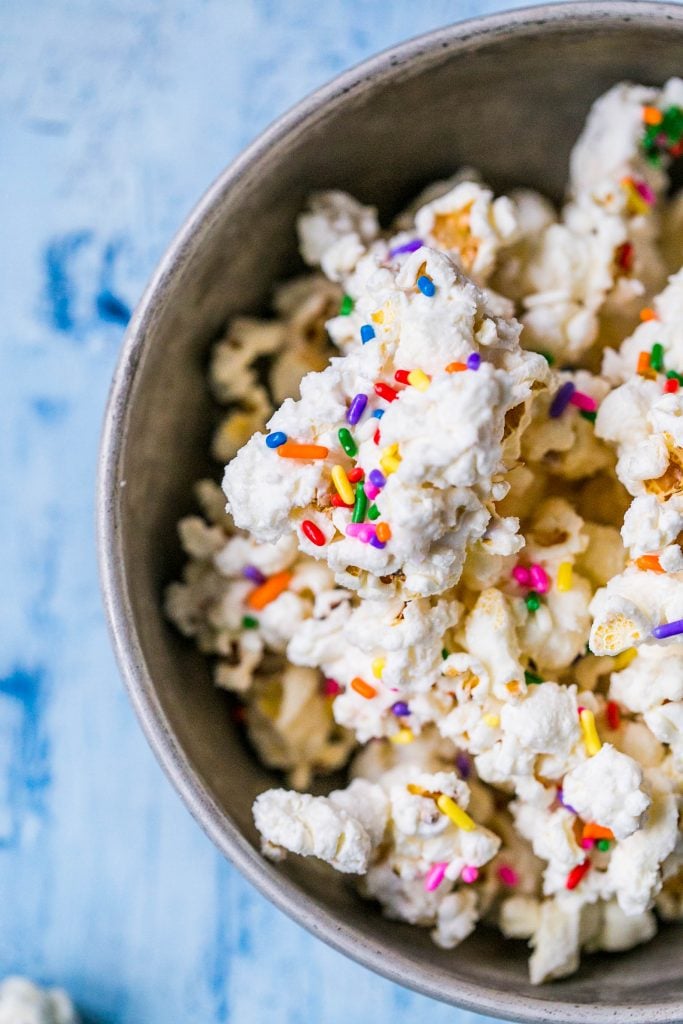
column 444, row 653
column 590, row 416
column 248, row 622
column 531, row 679
column 346, row 306
column 672, row 123
column 533, row 601
column 548, row 356
column 360, row 505
column 657, row 357
column 347, row 442
column 373, row 512
column 603, row 844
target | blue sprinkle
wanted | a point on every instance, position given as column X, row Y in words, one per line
column 426, row 285
column 378, row 413
column 276, row 439
column 367, row 333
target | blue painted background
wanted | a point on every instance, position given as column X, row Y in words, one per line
column 114, row 117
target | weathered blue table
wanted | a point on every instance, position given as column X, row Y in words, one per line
column 114, row 116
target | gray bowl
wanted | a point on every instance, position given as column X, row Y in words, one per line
column 507, row 94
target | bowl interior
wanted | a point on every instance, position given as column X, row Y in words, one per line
column 506, row 95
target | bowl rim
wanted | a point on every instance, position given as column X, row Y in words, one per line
column 222, row 831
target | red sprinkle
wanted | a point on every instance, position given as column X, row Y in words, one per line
column 385, row 391
column 313, row 532
column 613, row 715
column 401, row 376
column 671, row 386
column 355, row 475
column 624, row 257
column 339, row 502
column 376, row 437
column 576, row 874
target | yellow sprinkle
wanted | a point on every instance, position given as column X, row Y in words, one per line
column 341, row 482
column 634, row 201
column 378, row 316
column 378, row 667
column 389, row 464
column 416, row 790
column 493, row 721
column 624, row 659
column 564, row 576
column 403, row 736
column 456, row 814
column 591, row 740
column 419, row 380
column 391, row 449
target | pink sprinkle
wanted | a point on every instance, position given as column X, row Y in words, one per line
column 645, row 192
column 587, row 844
column 522, row 575
column 434, row 876
column 583, row 401
column 539, row 578
column 366, row 532
column 331, row 687
column 353, row 529
column 370, row 490
column 469, row 873
column 508, row 875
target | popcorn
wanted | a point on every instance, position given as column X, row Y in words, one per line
column 422, row 538
column 21, row 1000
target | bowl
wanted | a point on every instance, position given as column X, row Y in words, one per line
column 507, row 94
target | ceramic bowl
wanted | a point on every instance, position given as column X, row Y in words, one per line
column 506, row 94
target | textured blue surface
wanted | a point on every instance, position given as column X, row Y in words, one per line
column 114, row 117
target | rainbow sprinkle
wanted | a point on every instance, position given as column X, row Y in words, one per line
column 251, row 572
column 313, row 532
column 591, row 740
column 561, row 400
column 426, row 285
column 347, row 442
column 367, row 333
column 377, row 667
column 413, row 246
column 508, row 875
column 469, row 874
column 576, row 874
column 400, row 709
column 565, row 575
column 363, row 688
column 539, row 578
column 435, row 876
column 473, row 361
column 275, row 439
column 341, row 482
column 667, row 629
column 532, row 601
column 419, row 380
column 657, row 357
column 356, row 409
column 584, row 402
column 346, row 306
column 455, row 813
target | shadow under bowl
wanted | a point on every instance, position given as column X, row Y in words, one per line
column 506, row 94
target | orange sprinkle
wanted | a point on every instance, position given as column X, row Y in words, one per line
column 456, row 367
column 647, row 314
column 292, row 450
column 363, row 688
column 642, row 366
column 651, row 115
column 649, row 563
column 268, row 591
column 593, row 831
column 383, row 532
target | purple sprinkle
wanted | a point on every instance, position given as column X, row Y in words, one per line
column 400, row 708
column 462, row 763
column 561, row 400
column 667, row 629
column 250, row 572
column 413, row 246
column 375, row 542
column 560, row 797
column 357, row 408
column 473, row 361
column 377, row 479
